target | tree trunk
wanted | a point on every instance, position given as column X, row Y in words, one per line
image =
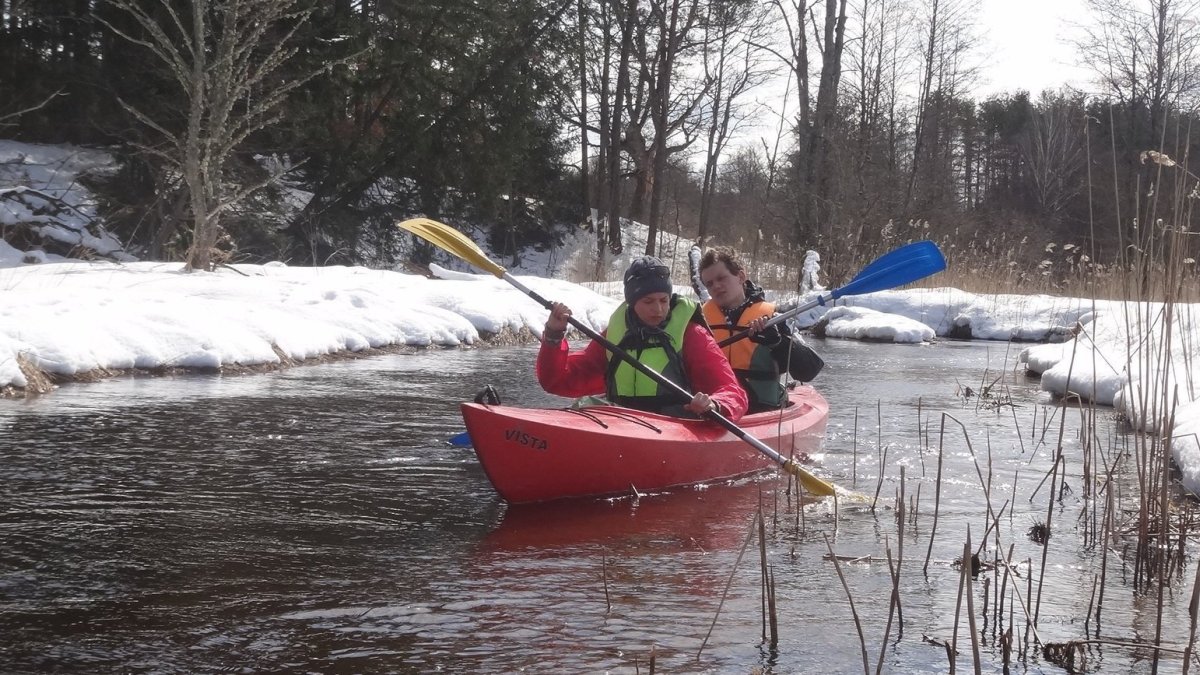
column 585, row 192
column 195, row 163
column 670, row 39
column 614, row 154
column 923, row 106
column 602, row 185
column 642, row 160
column 825, row 115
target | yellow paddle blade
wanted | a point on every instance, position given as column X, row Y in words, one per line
column 812, row 484
column 452, row 241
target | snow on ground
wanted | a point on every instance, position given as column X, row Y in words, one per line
column 70, row 316
column 40, row 187
column 951, row 312
column 860, row 323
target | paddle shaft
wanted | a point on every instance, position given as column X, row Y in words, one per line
column 725, row 422
column 453, row 241
column 781, row 317
column 895, row 268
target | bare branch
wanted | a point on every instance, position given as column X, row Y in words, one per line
column 14, row 115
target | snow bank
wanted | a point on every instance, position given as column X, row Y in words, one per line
column 69, row 318
column 40, row 189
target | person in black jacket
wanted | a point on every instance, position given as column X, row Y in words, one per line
column 738, row 304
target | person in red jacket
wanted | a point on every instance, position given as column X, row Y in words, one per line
column 659, row 328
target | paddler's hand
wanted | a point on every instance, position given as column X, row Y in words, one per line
column 701, row 404
column 769, row 336
column 556, row 325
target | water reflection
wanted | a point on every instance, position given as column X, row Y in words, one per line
column 700, row 519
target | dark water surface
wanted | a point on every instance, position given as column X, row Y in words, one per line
column 315, row 520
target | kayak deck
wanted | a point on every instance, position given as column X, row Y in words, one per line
column 541, row 454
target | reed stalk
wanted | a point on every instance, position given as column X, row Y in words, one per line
column 896, row 605
column 880, row 451
column 963, row 572
column 1105, row 530
column 1002, row 591
column 970, row 591
column 887, row 630
column 937, row 496
column 769, row 616
column 1037, row 606
column 987, row 591
column 862, row 642
column 728, row 584
column 920, row 445
column 914, row 508
column 854, row 465
column 1193, row 613
column 879, row 483
column 604, row 574
column 1017, row 426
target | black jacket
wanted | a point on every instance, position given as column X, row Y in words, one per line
column 792, row 356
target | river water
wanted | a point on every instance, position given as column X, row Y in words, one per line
column 316, row 520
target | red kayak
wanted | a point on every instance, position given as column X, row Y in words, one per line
column 533, row 455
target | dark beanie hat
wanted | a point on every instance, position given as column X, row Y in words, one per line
column 646, row 275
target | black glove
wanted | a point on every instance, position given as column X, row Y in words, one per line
column 770, row 336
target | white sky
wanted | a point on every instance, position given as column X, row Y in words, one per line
column 1025, row 45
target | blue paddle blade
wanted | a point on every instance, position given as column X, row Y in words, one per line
column 462, row 440
column 905, row 265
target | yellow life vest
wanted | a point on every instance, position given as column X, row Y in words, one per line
column 660, row 350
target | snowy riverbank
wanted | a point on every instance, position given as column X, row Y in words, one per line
column 77, row 319
column 72, row 318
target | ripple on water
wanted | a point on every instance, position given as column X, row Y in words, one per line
column 316, row 520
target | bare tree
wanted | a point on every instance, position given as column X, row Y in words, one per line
column 223, row 58
column 584, row 181
column 603, row 91
column 676, row 18
column 1146, row 54
column 1053, row 149
column 732, row 67
column 628, row 21
column 793, row 15
column 879, row 59
column 948, row 37
column 815, row 122
column 832, row 44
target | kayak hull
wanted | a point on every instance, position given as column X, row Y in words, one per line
column 533, row 455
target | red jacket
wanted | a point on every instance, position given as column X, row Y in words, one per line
column 582, row 373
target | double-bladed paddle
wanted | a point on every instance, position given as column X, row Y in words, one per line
column 452, row 241
column 904, row 265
